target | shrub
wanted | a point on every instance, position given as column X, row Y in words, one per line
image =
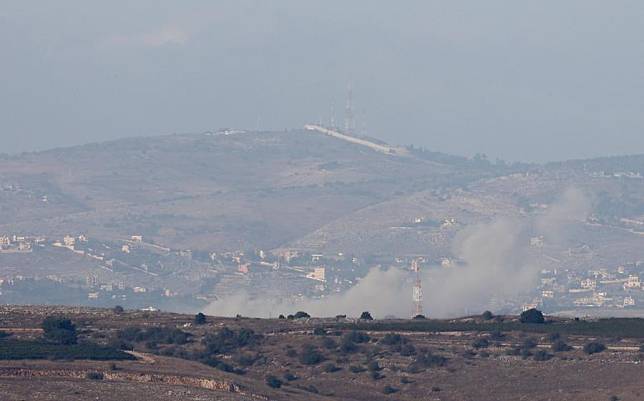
column 329, row 343
column 281, row 317
column 331, row 368
column 375, row 375
column 310, row 355
column 59, row 331
column 357, row 369
column 289, row 377
column 497, row 335
column 406, row 380
column 301, row 315
column 392, row 339
column 487, row 315
column 560, row 346
column 373, row 366
column 227, row 340
column 594, row 348
column 319, row 331
column 200, row 318
column 94, row 375
column 480, row 343
column 529, row 343
column 366, row 316
column 541, row 355
column 408, row 350
column 532, row 316
column 428, row 359
column 419, row 317
column 273, row 381
column 118, row 309
column 357, row 337
column 389, row 390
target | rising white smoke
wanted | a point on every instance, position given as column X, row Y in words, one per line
column 495, row 266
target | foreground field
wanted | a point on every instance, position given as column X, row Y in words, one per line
column 180, row 357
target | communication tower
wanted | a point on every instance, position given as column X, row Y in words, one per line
column 349, row 116
column 417, row 293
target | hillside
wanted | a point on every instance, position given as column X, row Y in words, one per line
column 171, row 356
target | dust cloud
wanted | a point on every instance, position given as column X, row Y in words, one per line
column 494, row 266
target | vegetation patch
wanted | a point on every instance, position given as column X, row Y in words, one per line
column 19, row 349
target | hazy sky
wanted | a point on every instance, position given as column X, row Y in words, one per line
column 521, row 80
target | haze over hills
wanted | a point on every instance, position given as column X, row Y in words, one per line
column 189, row 199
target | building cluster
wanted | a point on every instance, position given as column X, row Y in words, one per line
column 613, row 288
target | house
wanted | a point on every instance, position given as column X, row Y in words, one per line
column 633, row 282
column 318, row 274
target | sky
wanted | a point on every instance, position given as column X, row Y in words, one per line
column 517, row 80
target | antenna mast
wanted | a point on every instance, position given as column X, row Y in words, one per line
column 349, row 117
column 418, row 289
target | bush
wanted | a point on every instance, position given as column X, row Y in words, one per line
column 529, row 343
column 480, row 343
column 594, row 348
column 487, row 315
column 200, row 318
column 301, row 315
column 497, row 335
column 373, row 366
column 21, row 349
column 227, row 340
column 393, row 339
column 375, row 375
column 329, row 343
column 289, row 377
column 532, row 316
column 357, row 337
column 310, row 355
column 357, row 369
column 94, row 375
column 407, row 350
column 428, row 359
column 541, row 355
column 331, row 368
column 59, row 331
column 273, row 381
column 560, row 346
column 366, row 316
column 159, row 335
column 389, row 390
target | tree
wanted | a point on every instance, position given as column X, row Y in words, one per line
column 200, row 318
column 58, row 330
column 366, row 316
column 301, row 315
column 532, row 316
column 487, row 315
column 118, row 309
